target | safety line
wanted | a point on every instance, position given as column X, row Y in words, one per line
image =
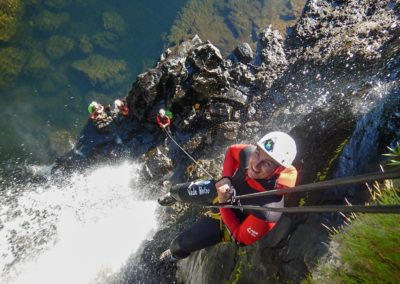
column 390, row 174
column 204, row 170
column 325, row 208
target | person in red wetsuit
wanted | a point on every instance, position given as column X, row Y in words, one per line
column 246, row 169
column 163, row 120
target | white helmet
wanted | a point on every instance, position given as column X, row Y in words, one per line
column 162, row 112
column 118, row 103
column 279, row 146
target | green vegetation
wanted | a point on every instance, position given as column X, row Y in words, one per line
column 394, row 155
column 10, row 12
column 107, row 40
column 367, row 250
column 101, row 71
column 233, row 21
column 323, row 174
column 113, row 22
column 49, row 21
column 12, row 61
column 37, row 61
column 59, row 46
column 85, row 45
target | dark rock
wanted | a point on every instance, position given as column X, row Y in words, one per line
column 271, row 48
column 157, row 163
column 241, row 74
column 220, row 110
column 205, row 56
column 203, row 267
column 232, row 96
column 144, row 92
column 230, row 130
column 243, row 53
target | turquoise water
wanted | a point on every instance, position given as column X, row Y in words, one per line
column 44, row 103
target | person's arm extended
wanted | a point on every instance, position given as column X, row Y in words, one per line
column 249, row 231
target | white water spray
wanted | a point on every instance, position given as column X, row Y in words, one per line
column 81, row 231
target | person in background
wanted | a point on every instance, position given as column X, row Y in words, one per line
column 246, row 169
column 120, row 107
column 96, row 111
column 163, row 120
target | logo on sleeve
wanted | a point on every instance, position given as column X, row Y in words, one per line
column 252, row 232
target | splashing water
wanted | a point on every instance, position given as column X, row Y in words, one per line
column 80, row 230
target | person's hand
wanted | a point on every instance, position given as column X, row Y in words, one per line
column 224, row 190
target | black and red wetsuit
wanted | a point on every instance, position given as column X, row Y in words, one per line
column 250, row 225
column 245, row 227
column 163, row 121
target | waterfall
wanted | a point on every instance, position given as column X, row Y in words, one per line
column 81, row 229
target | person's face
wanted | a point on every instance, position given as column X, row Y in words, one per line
column 261, row 165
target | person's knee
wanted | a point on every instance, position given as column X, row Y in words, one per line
column 177, row 250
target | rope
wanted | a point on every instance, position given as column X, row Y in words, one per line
column 390, row 174
column 325, row 208
column 203, row 169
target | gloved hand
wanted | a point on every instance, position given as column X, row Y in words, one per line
column 224, row 189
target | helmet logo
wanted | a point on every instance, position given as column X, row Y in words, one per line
column 269, row 145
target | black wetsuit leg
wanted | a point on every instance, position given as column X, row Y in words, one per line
column 204, row 233
column 199, row 192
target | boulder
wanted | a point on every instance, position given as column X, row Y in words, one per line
column 243, row 53
column 232, row 96
column 156, row 163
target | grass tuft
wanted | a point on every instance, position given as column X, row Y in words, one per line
column 367, row 250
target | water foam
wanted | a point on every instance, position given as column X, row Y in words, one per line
column 78, row 231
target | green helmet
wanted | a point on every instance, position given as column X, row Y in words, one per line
column 90, row 108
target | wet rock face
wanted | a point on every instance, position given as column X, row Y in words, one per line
column 156, row 162
column 350, row 29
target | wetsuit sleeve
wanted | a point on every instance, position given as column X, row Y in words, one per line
column 158, row 121
column 168, row 121
column 287, row 178
column 231, row 162
column 249, row 231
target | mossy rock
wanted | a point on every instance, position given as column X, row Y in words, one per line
column 107, row 40
column 59, row 46
column 12, row 60
column 85, row 45
column 10, row 12
column 37, row 62
column 101, row 71
column 113, row 22
column 48, row 21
